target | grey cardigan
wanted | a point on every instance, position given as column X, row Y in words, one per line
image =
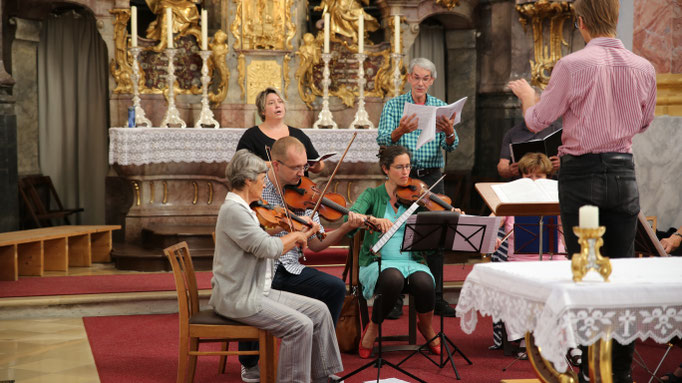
column 241, row 252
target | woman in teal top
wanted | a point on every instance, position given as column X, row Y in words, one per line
column 401, row 272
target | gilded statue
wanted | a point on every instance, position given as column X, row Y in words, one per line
column 121, row 65
column 220, row 50
column 344, row 15
column 308, row 56
column 185, row 20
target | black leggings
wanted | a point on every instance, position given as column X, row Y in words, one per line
column 391, row 284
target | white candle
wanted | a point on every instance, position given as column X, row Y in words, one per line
column 169, row 27
column 361, row 33
column 396, row 33
column 588, row 217
column 133, row 25
column 326, row 32
column 204, row 30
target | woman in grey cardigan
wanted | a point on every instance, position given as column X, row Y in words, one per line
column 242, row 273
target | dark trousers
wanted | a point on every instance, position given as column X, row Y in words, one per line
column 312, row 283
column 605, row 180
column 391, row 283
column 434, row 259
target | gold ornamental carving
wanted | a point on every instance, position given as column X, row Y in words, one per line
column 545, row 54
column 669, row 94
column 121, row 66
column 263, row 25
column 285, row 72
column 220, row 49
column 308, row 56
column 345, row 15
column 185, row 20
column 343, row 71
column 449, row 4
column 261, row 74
column 241, row 69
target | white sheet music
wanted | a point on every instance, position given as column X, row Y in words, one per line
column 527, row 190
column 427, row 114
column 396, row 225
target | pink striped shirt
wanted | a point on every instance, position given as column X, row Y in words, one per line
column 605, row 93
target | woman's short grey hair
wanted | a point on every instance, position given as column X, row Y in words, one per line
column 244, row 166
column 260, row 100
column 424, row 63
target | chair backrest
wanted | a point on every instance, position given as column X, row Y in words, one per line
column 185, row 280
column 41, row 192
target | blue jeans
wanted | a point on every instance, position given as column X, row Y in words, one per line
column 312, row 283
column 605, row 180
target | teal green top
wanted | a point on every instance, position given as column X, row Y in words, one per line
column 373, row 202
column 376, row 203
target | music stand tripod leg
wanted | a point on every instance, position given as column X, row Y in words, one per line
column 443, row 340
column 379, row 361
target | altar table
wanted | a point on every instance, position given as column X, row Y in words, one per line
column 642, row 300
column 141, row 146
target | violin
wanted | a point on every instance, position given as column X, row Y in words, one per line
column 415, row 188
column 305, row 195
column 270, row 216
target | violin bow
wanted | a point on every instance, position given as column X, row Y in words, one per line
column 331, row 177
column 399, row 222
column 279, row 191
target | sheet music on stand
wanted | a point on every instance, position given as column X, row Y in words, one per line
column 464, row 233
column 396, row 225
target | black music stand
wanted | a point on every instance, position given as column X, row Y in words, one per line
column 379, row 361
column 437, row 231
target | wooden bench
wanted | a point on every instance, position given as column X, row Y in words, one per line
column 32, row 252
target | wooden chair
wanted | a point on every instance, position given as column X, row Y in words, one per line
column 411, row 336
column 42, row 202
column 205, row 326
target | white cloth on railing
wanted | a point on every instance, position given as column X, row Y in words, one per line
column 141, row 146
column 642, row 300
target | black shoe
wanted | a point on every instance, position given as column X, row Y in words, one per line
column 397, row 310
column 443, row 308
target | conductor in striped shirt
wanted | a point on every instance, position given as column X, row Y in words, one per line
column 606, row 95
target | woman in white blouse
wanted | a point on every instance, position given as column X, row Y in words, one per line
column 242, row 274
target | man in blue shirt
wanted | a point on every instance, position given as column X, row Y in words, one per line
column 427, row 161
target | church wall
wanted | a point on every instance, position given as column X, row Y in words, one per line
column 656, row 34
column 25, row 73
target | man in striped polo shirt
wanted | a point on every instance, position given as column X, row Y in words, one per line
column 605, row 94
column 427, row 161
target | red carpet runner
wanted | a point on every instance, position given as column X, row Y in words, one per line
column 143, row 349
column 126, row 283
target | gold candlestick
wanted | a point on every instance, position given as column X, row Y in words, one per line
column 590, row 240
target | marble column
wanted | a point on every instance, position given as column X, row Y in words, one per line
column 9, row 199
column 657, row 31
column 25, row 72
column 461, row 82
column 658, row 165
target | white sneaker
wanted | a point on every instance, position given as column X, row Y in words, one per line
column 251, row 374
column 335, row 379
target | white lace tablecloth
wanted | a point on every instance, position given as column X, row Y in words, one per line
column 642, row 300
column 140, row 146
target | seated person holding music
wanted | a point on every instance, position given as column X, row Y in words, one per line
column 243, row 269
column 401, row 272
column 534, row 166
column 284, row 178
